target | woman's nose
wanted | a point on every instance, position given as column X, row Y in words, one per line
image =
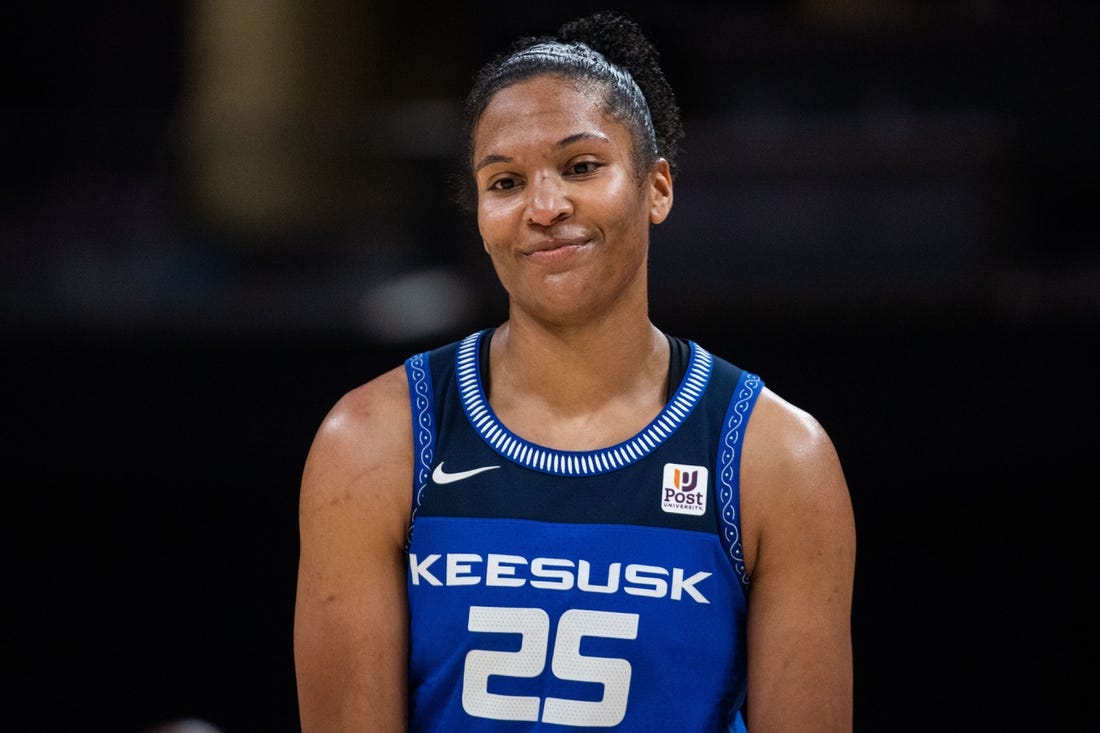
column 548, row 200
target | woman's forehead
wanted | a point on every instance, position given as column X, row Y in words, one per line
column 546, row 91
column 544, row 105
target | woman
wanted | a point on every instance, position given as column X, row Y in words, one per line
column 573, row 520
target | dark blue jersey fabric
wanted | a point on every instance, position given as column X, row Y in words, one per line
column 559, row 590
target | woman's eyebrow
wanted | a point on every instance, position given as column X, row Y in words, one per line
column 577, row 137
column 563, row 143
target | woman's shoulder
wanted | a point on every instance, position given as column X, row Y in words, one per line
column 787, row 439
column 371, row 401
column 366, row 433
column 793, row 489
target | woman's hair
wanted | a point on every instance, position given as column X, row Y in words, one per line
column 605, row 50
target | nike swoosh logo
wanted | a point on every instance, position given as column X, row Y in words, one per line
column 442, row 477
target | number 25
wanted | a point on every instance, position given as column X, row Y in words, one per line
column 533, row 625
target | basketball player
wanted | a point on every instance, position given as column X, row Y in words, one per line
column 572, row 520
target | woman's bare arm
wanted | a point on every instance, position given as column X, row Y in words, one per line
column 798, row 518
column 351, row 613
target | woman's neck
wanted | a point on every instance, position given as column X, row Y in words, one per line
column 577, row 389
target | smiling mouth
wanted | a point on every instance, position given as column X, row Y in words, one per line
column 555, row 246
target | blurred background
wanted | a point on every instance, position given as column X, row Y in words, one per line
column 218, row 217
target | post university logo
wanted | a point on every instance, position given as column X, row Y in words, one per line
column 684, row 489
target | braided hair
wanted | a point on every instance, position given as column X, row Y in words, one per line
column 607, row 50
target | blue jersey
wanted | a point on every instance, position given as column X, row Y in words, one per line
column 556, row 590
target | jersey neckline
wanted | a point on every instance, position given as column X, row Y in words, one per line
column 484, row 421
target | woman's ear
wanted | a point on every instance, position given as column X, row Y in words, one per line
column 660, row 191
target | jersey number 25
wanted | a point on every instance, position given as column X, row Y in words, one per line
column 567, row 663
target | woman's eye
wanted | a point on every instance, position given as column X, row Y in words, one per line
column 583, row 167
column 502, row 184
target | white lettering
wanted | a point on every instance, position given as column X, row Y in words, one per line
column 420, row 570
column 584, row 572
column 639, row 575
column 458, row 569
column 544, row 567
column 500, row 574
column 555, row 573
column 679, row 585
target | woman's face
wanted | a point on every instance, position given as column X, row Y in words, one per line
column 562, row 212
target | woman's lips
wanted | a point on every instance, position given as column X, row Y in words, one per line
column 556, row 250
column 550, row 245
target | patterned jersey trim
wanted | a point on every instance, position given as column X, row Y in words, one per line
column 575, row 463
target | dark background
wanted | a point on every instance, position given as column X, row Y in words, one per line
column 218, row 217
